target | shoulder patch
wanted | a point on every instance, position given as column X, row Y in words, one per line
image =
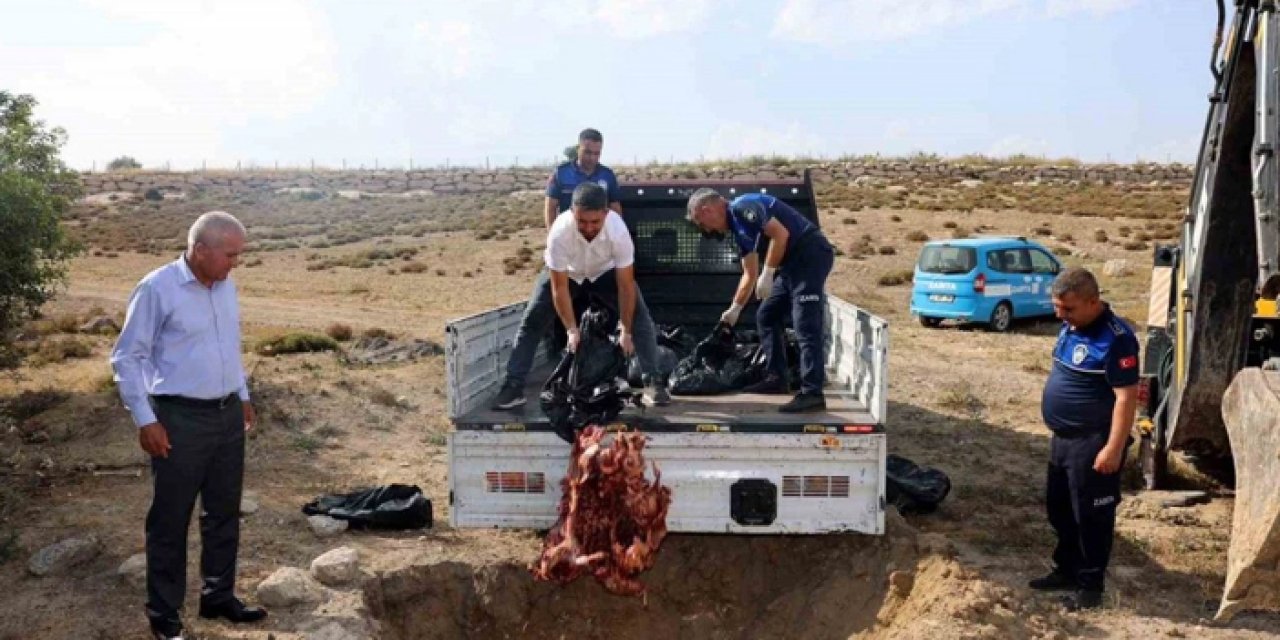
column 1118, row 328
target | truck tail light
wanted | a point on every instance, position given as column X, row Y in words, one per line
column 980, row 283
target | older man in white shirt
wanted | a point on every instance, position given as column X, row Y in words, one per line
column 178, row 367
column 589, row 252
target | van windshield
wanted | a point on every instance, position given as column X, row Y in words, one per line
column 944, row 259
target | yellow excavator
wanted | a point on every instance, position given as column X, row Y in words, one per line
column 1211, row 369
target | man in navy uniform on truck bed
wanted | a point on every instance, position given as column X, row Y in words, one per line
column 796, row 265
column 587, row 168
column 1088, row 403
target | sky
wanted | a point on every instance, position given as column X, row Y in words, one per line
column 185, row 83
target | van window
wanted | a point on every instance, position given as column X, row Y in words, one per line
column 1010, row 261
column 1042, row 263
column 944, row 259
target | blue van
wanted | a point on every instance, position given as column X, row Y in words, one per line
column 992, row 280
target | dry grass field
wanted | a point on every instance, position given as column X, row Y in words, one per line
column 961, row 399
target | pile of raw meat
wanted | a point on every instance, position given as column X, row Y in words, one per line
column 612, row 520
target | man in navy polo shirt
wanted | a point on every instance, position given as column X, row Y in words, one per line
column 800, row 257
column 568, row 175
column 1088, row 403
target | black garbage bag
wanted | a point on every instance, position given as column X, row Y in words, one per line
column 718, row 364
column 913, row 488
column 667, row 361
column 393, row 506
column 588, row 386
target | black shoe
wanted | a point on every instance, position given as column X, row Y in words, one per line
column 232, row 610
column 1053, row 581
column 771, row 385
column 166, row 629
column 510, row 397
column 1082, row 599
column 805, row 403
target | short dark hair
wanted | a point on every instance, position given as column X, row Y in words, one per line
column 590, row 134
column 1077, row 280
column 590, row 196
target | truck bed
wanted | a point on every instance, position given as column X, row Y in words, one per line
column 737, row 411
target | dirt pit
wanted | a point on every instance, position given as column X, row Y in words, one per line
column 901, row 585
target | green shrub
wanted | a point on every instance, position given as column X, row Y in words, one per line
column 895, row 278
column 295, row 342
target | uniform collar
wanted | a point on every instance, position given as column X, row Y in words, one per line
column 1099, row 321
column 577, row 167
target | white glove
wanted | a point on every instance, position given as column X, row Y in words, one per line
column 764, row 284
column 730, row 317
column 572, row 344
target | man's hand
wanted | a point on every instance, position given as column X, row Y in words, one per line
column 627, row 344
column 154, row 440
column 573, row 335
column 1108, row 460
column 730, row 317
column 249, row 416
column 764, row 285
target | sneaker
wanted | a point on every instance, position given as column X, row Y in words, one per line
column 771, row 385
column 510, row 397
column 657, row 393
column 805, row 403
column 1082, row 599
column 1053, row 581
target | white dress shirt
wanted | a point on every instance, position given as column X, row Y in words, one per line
column 583, row 259
column 179, row 338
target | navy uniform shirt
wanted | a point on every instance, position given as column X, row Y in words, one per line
column 566, row 177
column 1088, row 363
column 749, row 213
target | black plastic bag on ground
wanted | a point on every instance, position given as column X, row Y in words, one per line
column 913, row 488
column 588, row 386
column 394, row 506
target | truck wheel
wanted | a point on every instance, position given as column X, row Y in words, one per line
column 932, row 323
column 1001, row 318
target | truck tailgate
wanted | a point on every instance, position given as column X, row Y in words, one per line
column 818, row 483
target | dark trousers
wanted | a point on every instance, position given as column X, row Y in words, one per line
column 799, row 288
column 207, row 459
column 1082, row 508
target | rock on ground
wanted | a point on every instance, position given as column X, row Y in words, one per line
column 337, row 567
column 134, row 570
column 1117, row 268
column 288, row 587
column 64, row 555
column 325, row 527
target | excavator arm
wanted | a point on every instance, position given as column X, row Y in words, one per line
column 1210, row 375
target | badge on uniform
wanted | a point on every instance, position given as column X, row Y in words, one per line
column 1079, row 354
column 749, row 215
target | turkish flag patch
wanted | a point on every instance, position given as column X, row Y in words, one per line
column 1128, row 362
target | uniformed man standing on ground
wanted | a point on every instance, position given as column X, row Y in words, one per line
column 796, row 265
column 178, row 367
column 1088, row 403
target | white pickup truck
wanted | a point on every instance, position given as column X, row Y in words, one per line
column 733, row 462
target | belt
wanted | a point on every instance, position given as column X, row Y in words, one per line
column 214, row 403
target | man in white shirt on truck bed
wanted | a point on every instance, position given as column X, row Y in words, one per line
column 589, row 252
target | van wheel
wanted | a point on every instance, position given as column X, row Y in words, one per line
column 1001, row 318
column 932, row 323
